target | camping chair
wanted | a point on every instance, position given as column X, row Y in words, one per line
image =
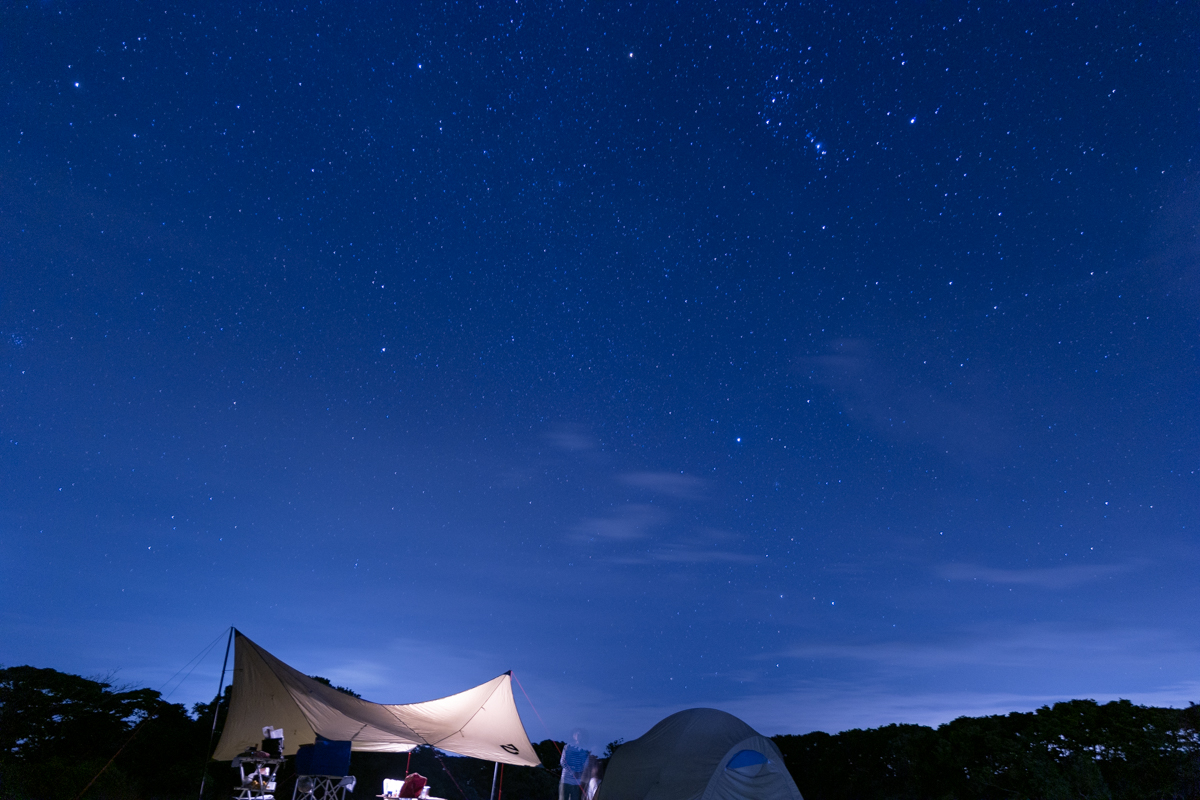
column 321, row 770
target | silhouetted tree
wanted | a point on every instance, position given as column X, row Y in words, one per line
column 341, row 689
column 1078, row 749
column 58, row 732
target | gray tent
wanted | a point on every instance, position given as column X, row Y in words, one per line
column 698, row 754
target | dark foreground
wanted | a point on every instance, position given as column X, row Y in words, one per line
column 58, row 731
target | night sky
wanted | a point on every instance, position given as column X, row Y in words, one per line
column 829, row 364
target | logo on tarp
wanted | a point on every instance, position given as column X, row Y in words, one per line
column 511, row 748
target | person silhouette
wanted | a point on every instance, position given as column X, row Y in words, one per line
column 576, row 762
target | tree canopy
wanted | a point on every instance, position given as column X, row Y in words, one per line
column 1076, row 749
column 58, row 732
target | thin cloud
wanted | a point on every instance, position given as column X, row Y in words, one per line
column 632, row 522
column 360, row 675
column 1046, row 578
column 709, row 546
column 692, row 555
column 1032, row 647
column 570, row 438
column 906, row 410
column 668, row 483
column 377, row 676
column 836, row 705
column 988, row 671
column 685, row 555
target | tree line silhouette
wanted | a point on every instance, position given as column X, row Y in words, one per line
column 65, row 737
column 1078, row 749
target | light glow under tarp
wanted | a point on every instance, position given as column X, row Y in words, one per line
column 481, row 722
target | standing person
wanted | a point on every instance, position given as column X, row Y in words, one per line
column 575, row 762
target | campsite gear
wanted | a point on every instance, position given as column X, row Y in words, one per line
column 323, row 757
column 481, row 722
column 413, row 785
column 391, row 790
column 323, row 787
column 272, row 743
column 257, row 773
column 698, row 754
column 321, row 769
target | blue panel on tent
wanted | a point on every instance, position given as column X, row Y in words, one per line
column 324, row 757
column 746, row 758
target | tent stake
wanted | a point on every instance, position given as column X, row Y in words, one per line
column 495, row 770
column 216, row 709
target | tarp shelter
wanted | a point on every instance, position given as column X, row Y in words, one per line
column 698, row 754
column 481, row 722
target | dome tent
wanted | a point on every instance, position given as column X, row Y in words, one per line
column 698, row 754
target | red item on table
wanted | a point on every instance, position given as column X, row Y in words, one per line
column 413, row 785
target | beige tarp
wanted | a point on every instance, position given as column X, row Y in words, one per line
column 481, row 722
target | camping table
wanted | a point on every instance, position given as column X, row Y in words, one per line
column 258, row 777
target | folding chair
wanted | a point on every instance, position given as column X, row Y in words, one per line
column 321, row 770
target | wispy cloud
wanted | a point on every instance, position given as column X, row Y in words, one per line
column 629, row 523
column 706, row 546
column 834, row 705
column 989, row 670
column 377, row 674
column 683, row 554
column 654, row 535
column 1041, row 646
column 1046, row 578
column 675, row 484
column 903, row 408
column 570, row 437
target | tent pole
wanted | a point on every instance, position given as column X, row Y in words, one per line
column 495, row 770
column 216, row 709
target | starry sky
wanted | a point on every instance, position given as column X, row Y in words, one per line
column 833, row 364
